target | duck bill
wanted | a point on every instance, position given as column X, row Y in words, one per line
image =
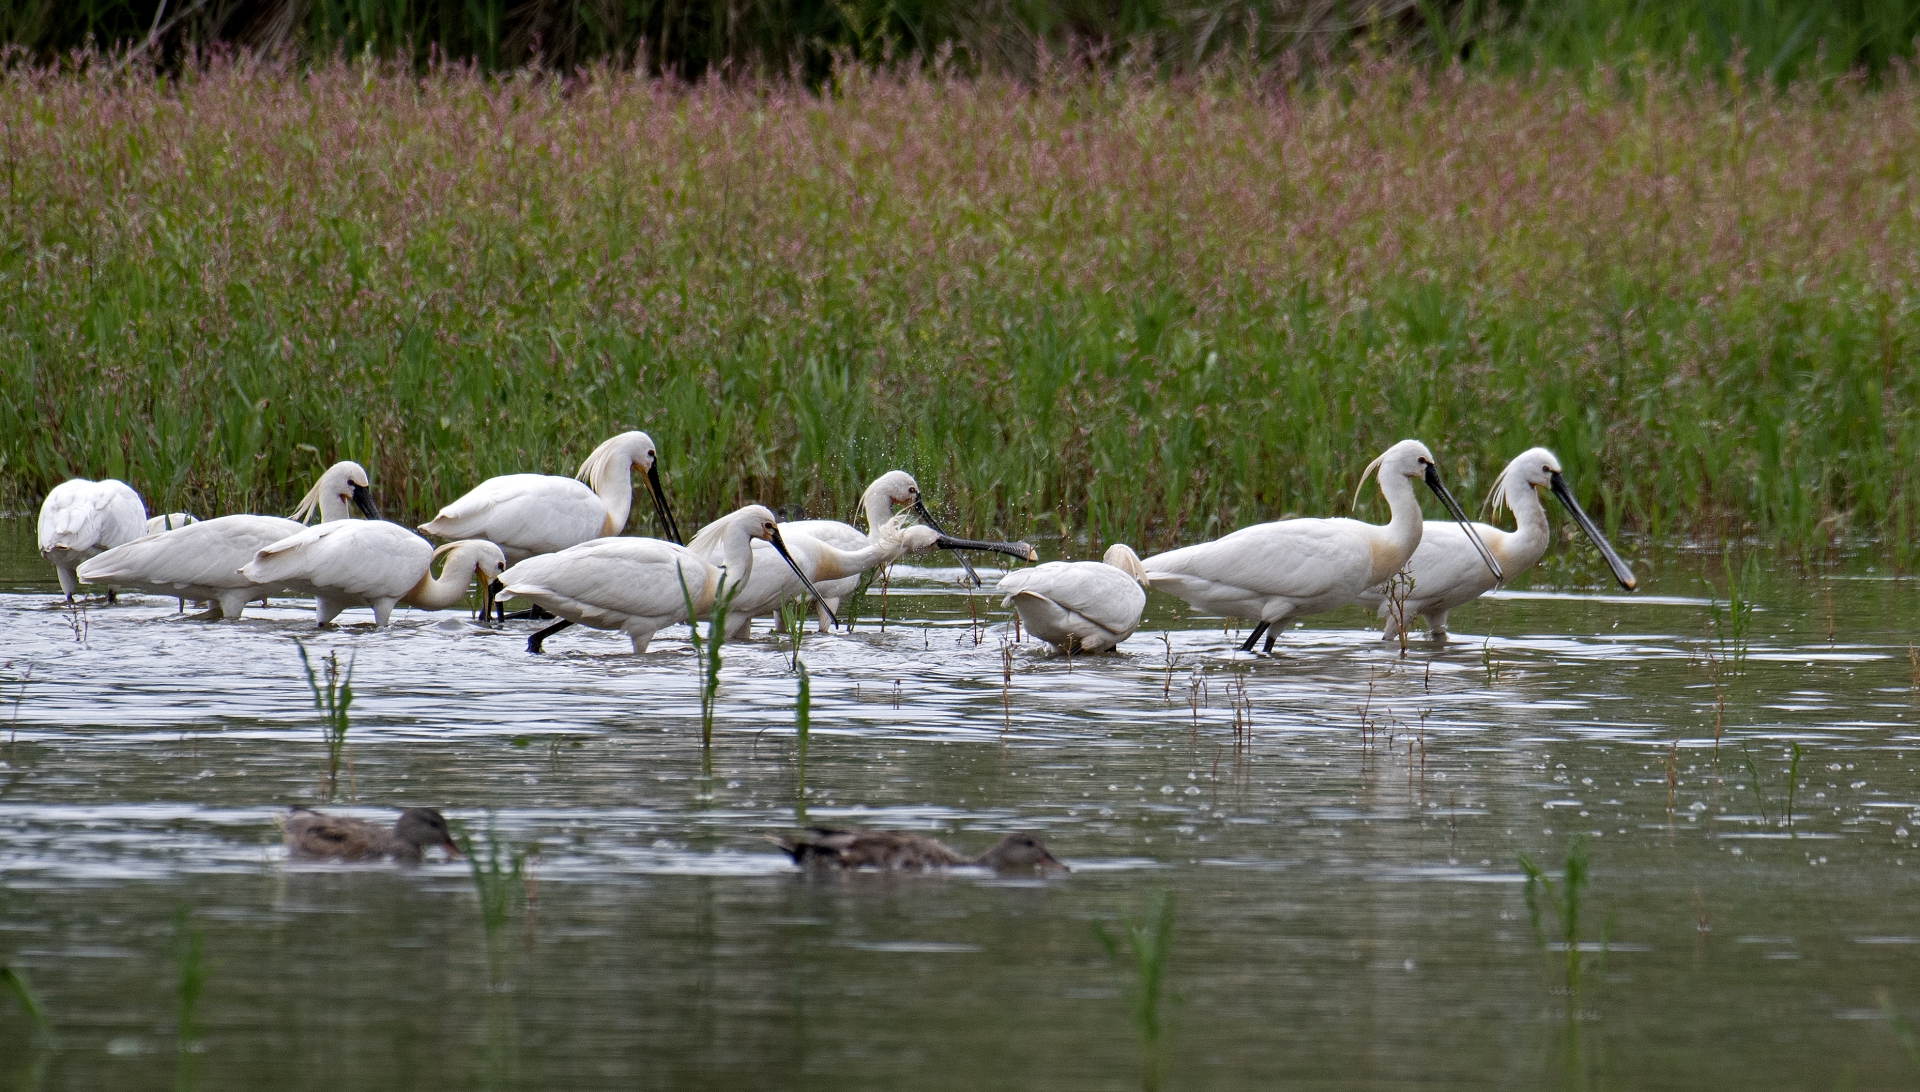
column 926, row 517
column 1053, row 864
column 660, row 502
column 453, row 851
column 1012, row 549
column 773, row 536
column 1620, row 571
column 1460, row 516
column 363, row 500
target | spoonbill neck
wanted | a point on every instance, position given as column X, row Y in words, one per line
column 612, row 481
column 879, row 508
column 1396, row 540
column 1530, row 536
column 835, row 564
column 443, row 591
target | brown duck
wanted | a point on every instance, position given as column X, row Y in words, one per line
column 824, row 847
column 315, row 836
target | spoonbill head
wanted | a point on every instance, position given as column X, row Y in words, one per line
column 1445, row 570
column 1274, row 572
column 609, row 471
column 81, row 519
column 1080, row 606
column 342, row 487
column 639, row 585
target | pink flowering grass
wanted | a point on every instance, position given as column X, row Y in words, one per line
column 1127, row 309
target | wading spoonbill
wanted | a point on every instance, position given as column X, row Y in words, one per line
column 316, row 836
column 1080, row 606
column 82, row 518
column 1275, row 572
column 895, row 487
column 371, row 563
column 531, row 514
column 202, row 560
column 640, row 585
column 819, row 561
column 1447, row 572
column 824, row 847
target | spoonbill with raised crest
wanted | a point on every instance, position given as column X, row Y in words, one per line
column 1275, row 572
column 1445, row 570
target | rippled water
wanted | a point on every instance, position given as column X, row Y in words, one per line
column 1341, row 828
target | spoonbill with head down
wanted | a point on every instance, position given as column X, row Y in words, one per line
column 895, row 487
column 1445, row 570
column 82, row 518
column 371, row 563
column 818, row 561
column 1275, row 572
column 1080, row 606
column 640, row 585
column 531, row 514
column 202, row 560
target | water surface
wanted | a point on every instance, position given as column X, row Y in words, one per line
column 1341, row 827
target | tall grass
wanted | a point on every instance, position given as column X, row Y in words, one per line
column 1140, row 953
column 332, row 688
column 1088, row 305
column 1751, row 39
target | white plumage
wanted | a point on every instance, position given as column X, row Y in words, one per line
column 369, row 563
column 1080, row 606
column 200, row 561
column 1274, row 572
column 814, row 561
column 81, row 519
column 531, row 514
column 1445, row 570
column 639, row 585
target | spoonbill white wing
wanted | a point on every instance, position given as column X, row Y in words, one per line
column 354, row 560
column 1089, row 605
column 199, row 561
column 525, row 514
column 1271, row 570
column 615, row 583
column 81, row 518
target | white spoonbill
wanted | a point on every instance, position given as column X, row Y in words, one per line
column 820, row 561
column 1445, row 570
column 895, row 487
column 81, row 518
column 531, row 514
column 372, row 563
column 1080, row 606
column 172, row 521
column 1275, row 572
column 639, row 585
column 202, row 560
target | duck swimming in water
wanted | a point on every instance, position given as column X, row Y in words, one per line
column 313, row 835
column 825, row 847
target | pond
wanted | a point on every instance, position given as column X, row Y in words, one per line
column 1340, row 829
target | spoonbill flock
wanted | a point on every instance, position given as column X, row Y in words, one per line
column 558, row 543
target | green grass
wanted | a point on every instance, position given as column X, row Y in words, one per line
column 1107, row 306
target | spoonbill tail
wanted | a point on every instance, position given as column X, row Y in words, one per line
column 1080, row 606
column 202, row 560
column 1275, row 572
column 371, row 563
column 1445, row 570
column 531, row 514
column 82, row 518
column 639, row 585
column 895, row 487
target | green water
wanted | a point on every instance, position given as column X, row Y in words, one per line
column 1344, row 849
